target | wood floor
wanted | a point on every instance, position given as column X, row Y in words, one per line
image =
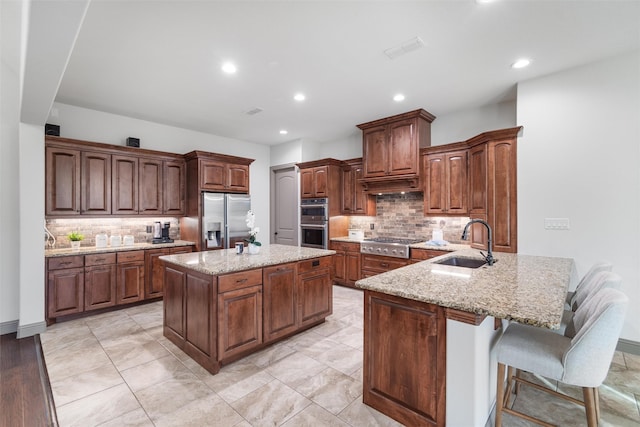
column 25, row 396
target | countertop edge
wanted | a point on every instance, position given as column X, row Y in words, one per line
column 89, row 250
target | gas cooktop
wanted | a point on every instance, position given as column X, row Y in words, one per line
column 388, row 246
column 393, row 240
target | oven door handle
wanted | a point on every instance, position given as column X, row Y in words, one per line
column 314, row 226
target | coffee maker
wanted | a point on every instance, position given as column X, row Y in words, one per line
column 161, row 233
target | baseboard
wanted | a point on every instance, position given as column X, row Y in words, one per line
column 628, row 346
column 31, row 330
column 10, row 327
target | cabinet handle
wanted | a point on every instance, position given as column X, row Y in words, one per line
column 100, row 259
column 65, row 263
column 241, row 280
column 384, row 264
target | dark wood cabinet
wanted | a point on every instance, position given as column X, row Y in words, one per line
column 313, row 182
column 62, row 181
column 376, row 264
column 222, row 176
column 95, row 183
column 346, row 262
column 99, row 281
column 130, row 277
column 240, row 321
column 65, row 285
column 445, row 183
column 315, row 292
column 355, row 200
column 391, row 150
column 418, row 255
column 150, row 188
column 124, row 185
column 174, row 187
column 322, row 179
column 154, row 278
column 280, row 300
column 404, row 374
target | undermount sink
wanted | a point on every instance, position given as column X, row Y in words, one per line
column 462, row 262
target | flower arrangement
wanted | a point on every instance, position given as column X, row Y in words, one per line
column 253, row 230
column 74, row 236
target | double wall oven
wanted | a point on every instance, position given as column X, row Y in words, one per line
column 314, row 228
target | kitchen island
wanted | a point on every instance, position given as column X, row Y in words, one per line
column 220, row 306
column 430, row 331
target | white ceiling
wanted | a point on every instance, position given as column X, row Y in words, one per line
column 160, row 60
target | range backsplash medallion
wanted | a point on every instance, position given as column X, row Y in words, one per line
column 402, row 216
column 89, row 227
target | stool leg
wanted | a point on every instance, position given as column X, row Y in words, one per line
column 590, row 406
column 596, row 397
column 500, row 395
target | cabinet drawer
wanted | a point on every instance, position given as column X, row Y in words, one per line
column 130, row 256
column 100, row 259
column 314, row 264
column 59, row 263
column 345, row 246
column 240, row 280
column 422, row 254
column 382, row 263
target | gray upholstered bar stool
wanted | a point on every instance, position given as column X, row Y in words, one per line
column 596, row 268
column 581, row 361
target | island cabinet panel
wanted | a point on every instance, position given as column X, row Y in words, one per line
column 404, row 369
column 96, row 183
column 280, row 300
column 99, row 281
column 173, row 304
column 200, row 320
column 62, row 181
column 315, row 292
column 240, row 320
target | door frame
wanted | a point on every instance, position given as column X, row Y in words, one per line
column 272, row 198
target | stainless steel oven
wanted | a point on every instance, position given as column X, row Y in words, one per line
column 314, row 229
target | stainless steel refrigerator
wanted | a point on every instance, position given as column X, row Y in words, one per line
column 223, row 219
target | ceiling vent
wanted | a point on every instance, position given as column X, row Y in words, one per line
column 404, row 47
column 254, row 111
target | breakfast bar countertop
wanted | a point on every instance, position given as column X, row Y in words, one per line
column 523, row 288
column 227, row 260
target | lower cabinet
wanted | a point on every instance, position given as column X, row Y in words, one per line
column 154, row 279
column 65, row 285
column 404, row 374
column 376, row 264
column 346, row 263
column 99, row 281
column 418, row 255
column 280, row 300
column 315, row 291
column 130, row 277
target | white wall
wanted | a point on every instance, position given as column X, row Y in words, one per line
column 579, row 158
column 97, row 126
column 287, row 152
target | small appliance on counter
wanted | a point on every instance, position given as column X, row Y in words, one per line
column 163, row 235
column 356, row 234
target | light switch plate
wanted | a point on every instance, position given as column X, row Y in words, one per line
column 556, row 223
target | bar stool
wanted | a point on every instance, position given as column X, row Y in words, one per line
column 581, row 361
column 596, row 268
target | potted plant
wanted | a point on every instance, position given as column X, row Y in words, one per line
column 254, row 245
column 75, row 239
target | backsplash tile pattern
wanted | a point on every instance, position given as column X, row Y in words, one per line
column 89, row 227
column 402, row 216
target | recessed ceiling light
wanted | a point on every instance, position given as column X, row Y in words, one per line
column 299, row 97
column 521, row 63
column 229, row 68
column 399, row 97
column 284, row 132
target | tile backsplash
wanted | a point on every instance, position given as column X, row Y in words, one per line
column 89, row 227
column 402, row 216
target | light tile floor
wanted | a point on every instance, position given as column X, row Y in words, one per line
column 117, row 369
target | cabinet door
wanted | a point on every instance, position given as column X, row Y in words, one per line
column 502, row 195
column 173, row 304
column 347, row 204
column 478, row 179
column 315, row 294
column 237, row 178
column 280, row 301
column 375, row 151
column 306, row 183
column 154, row 278
column 173, row 188
column 352, row 267
column 320, row 179
column 363, row 202
column 96, row 183
column 99, row 287
column 124, row 185
column 212, row 175
column 150, row 186
column 403, row 148
column 435, row 182
column 200, row 323
column 65, row 292
column 456, row 183
column 62, row 181
column 239, row 320
column 130, row 282
column 339, row 267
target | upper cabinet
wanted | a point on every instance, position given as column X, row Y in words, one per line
column 355, row 200
column 391, row 151
column 217, row 172
column 445, row 183
column 87, row 178
column 322, row 178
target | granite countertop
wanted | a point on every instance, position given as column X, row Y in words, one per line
column 227, row 261
column 88, row 250
column 422, row 245
column 523, row 288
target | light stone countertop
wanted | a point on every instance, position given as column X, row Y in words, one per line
column 422, row 245
column 227, row 261
column 524, row 288
column 89, row 250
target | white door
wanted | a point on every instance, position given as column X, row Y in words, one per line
column 285, row 203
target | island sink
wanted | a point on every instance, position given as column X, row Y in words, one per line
column 462, row 262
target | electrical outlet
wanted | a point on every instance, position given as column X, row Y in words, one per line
column 371, row 226
column 556, row 223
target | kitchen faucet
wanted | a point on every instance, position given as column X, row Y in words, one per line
column 489, row 256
